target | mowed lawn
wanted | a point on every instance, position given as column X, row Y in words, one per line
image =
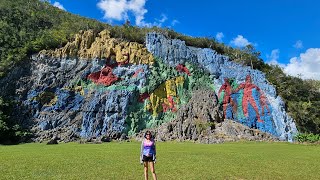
column 242, row 160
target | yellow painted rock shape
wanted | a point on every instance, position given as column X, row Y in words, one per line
column 90, row 45
column 161, row 94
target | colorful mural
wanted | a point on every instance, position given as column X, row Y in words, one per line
column 224, row 93
column 246, row 103
column 183, row 68
column 165, row 97
column 128, row 90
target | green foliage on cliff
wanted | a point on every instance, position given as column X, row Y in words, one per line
column 302, row 98
column 248, row 55
column 3, row 118
column 10, row 132
column 28, row 26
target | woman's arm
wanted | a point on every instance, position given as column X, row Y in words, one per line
column 141, row 152
column 155, row 150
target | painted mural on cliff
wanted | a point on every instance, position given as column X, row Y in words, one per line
column 245, row 94
column 247, row 104
column 108, row 87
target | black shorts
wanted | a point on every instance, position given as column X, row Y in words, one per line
column 147, row 158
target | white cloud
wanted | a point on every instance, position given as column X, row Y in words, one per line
column 174, row 22
column 219, row 36
column 119, row 9
column 163, row 19
column 240, row 41
column 307, row 65
column 274, row 57
column 298, row 45
column 137, row 7
column 159, row 22
column 114, row 9
column 58, row 5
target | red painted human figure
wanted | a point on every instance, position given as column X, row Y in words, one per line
column 226, row 87
column 182, row 68
column 263, row 102
column 247, row 87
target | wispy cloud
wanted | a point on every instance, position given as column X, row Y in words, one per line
column 273, row 58
column 159, row 22
column 219, row 36
column 119, row 10
column 163, row 18
column 298, row 45
column 174, row 22
column 306, row 66
column 58, row 5
column 240, row 41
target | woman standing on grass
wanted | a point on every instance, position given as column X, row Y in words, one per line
column 148, row 154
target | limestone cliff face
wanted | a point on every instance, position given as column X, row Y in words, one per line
column 56, row 96
column 98, row 86
column 88, row 45
column 200, row 120
column 245, row 94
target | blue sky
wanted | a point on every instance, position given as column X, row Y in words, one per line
column 286, row 32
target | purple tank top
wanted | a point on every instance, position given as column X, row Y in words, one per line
column 148, row 148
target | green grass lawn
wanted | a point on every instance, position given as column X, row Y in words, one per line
column 244, row 160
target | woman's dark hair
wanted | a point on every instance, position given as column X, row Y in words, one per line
column 148, row 132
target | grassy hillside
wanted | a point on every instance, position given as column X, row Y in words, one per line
column 246, row 160
column 28, row 26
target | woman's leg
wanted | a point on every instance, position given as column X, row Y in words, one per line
column 153, row 170
column 145, row 164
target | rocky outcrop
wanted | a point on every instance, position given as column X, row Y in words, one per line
column 225, row 131
column 55, row 98
column 193, row 119
column 89, row 45
column 201, row 120
column 254, row 104
column 105, row 113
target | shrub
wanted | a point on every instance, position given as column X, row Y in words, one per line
column 305, row 137
column 10, row 132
